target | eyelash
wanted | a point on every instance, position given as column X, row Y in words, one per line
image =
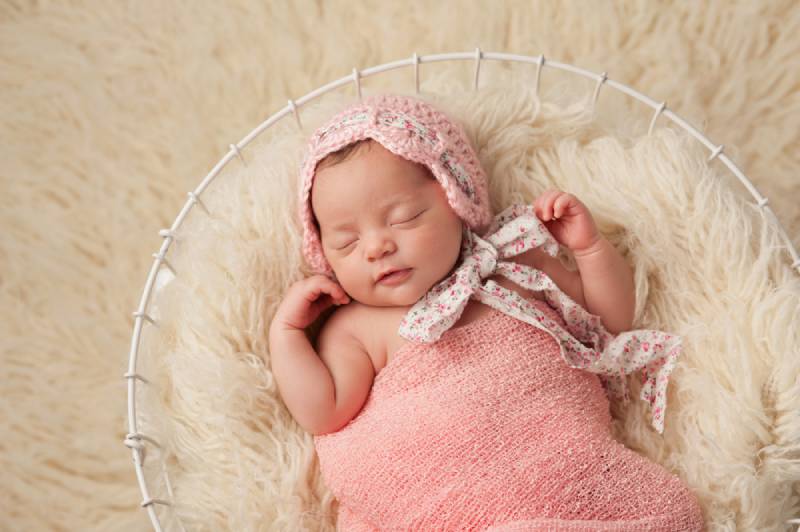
column 412, row 218
column 398, row 223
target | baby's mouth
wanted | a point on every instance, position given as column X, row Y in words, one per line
column 395, row 277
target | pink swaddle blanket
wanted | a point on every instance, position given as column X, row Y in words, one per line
column 488, row 427
column 504, row 423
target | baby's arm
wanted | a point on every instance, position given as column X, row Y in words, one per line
column 322, row 392
column 606, row 280
column 608, row 288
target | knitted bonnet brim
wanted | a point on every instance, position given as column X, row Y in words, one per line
column 412, row 129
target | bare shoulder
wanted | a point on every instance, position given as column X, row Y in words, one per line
column 342, row 324
column 368, row 327
column 355, row 323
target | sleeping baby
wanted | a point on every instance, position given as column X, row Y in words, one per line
column 461, row 381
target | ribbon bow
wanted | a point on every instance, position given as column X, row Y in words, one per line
column 585, row 343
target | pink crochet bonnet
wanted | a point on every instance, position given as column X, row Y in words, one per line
column 412, row 129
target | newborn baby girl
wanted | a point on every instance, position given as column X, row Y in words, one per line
column 461, row 383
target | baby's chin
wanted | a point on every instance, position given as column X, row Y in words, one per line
column 389, row 301
column 391, row 297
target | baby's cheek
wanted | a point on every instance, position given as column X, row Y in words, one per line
column 442, row 242
column 427, row 237
column 345, row 275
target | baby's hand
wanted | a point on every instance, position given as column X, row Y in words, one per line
column 306, row 300
column 567, row 219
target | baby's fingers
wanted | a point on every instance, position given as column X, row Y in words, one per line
column 307, row 299
column 319, row 284
column 543, row 207
column 336, row 291
column 562, row 204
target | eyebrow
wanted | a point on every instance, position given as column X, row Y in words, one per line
column 397, row 200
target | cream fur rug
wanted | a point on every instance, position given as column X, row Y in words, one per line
column 111, row 112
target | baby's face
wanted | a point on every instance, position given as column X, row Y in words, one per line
column 379, row 212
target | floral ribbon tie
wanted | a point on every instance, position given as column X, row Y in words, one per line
column 585, row 343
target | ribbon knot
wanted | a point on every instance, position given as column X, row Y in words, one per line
column 512, row 232
column 584, row 342
column 485, row 256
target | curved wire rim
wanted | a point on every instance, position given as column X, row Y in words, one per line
column 136, row 441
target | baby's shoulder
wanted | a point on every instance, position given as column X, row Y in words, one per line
column 353, row 319
column 369, row 326
column 341, row 321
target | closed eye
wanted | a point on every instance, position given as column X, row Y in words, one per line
column 347, row 245
column 410, row 219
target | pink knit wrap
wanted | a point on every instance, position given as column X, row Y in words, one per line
column 488, row 427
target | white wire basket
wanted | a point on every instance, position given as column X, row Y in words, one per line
column 161, row 269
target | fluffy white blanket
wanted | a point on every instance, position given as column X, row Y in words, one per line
column 706, row 268
column 111, row 111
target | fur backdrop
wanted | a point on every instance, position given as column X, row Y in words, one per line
column 110, row 112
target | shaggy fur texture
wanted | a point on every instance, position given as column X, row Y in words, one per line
column 111, row 112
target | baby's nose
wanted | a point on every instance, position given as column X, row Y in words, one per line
column 379, row 246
